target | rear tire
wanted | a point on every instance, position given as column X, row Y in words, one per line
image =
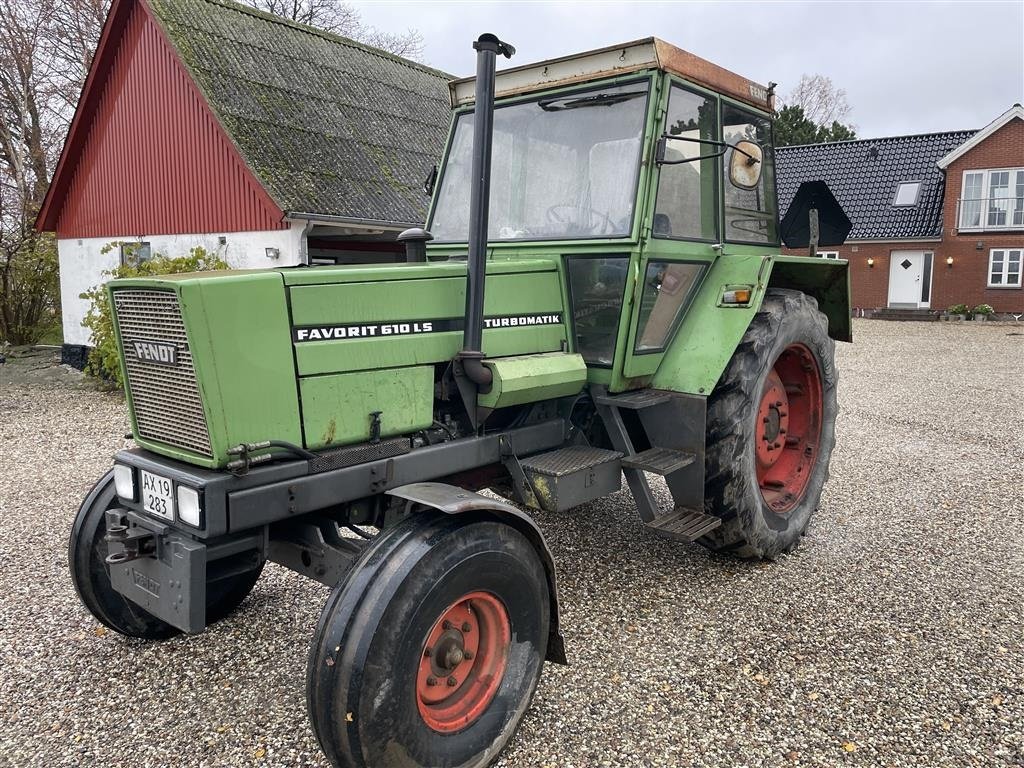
column 87, row 552
column 771, row 429
column 429, row 652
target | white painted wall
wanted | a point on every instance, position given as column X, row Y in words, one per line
column 82, row 264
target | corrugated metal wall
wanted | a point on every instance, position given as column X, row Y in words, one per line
column 156, row 161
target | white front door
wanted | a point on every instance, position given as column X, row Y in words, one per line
column 910, row 279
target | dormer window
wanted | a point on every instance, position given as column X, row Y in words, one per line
column 907, row 193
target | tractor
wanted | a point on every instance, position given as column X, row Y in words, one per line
column 598, row 293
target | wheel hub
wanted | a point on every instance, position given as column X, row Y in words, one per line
column 463, row 662
column 788, row 430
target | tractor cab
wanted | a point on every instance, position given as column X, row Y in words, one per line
column 636, row 169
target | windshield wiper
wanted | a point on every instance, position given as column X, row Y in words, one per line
column 597, row 100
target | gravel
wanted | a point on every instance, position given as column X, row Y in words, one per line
column 894, row 636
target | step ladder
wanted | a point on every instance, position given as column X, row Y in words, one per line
column 674, row 426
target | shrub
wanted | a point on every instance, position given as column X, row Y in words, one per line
column 103, row 359
column 29, row 288
column 958, row 309
column 983, row 309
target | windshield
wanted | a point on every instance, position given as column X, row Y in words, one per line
column 562, row 167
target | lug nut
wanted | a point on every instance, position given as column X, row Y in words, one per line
column 431, row 681
column 452, row 682
column 466, row 627
column 446, row 624
column 467, row 654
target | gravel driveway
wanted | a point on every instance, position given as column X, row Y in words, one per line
column 893, row 636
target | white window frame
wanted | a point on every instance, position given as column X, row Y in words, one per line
column 900, row 186
column 1006, row 267
column 1014, row 210
column 828, row 254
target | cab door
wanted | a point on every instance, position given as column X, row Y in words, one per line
column 683, row 237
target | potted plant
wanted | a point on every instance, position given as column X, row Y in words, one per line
column 982, row 311
column 958, row 312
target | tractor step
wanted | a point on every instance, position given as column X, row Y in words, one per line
column 635, row 400
column 660, row 461
column 684, row 524
column 573, row 475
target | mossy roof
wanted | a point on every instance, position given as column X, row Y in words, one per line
column 330, row 127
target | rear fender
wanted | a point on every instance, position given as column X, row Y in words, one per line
column 452, row 500
column 827, row 280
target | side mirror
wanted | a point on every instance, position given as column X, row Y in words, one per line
column 430, row 181
column 745, row 165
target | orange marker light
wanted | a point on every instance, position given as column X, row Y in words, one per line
column 738, row 296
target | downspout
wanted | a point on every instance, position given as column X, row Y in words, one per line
column 471, row 355
column 304, row 243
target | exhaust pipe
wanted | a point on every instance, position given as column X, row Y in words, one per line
column 487, row 47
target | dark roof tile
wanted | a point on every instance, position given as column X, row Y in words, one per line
column 329, row 126
column 863, row 175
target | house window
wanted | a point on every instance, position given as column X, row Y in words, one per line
column 1004, row 267
column 135, row 253
column 992, row 199
column 907, row 193
column 828, row 254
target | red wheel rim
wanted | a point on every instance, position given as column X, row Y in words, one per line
column 463, row 662
column 788, row 431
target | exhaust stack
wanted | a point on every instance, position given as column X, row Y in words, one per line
column 487, row 47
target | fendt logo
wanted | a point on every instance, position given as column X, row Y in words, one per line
column 156, row 352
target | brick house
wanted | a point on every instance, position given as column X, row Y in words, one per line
column 269, row 143
column 938, row 219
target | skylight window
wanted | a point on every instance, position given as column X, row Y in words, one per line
column 907, row 193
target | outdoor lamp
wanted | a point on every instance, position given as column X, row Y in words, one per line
column 871, row 262
column 949, row 261
column 273, row 253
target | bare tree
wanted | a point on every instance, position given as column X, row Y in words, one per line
column 821, row 101
column 32, row 120
column 343, row 19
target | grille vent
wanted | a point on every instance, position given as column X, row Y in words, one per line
column 166, row 400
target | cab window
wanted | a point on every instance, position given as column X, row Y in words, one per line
column 687, row 191
column 749, row 208
column 596, row 287
column 668, row 288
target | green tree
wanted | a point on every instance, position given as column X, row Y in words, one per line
column 792, row 127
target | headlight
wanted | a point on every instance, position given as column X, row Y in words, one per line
column 189, row 509
column 124, row 482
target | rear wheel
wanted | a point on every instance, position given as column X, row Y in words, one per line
column 428, row 653
column 87, row 552
column 771, row 429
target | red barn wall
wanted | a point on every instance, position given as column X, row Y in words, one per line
column 156, row 160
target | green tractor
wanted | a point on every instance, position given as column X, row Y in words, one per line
column 599, row 293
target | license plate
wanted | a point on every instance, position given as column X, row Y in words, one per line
column 157, row 495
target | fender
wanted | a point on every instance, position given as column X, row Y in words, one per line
column 710, row 332
column 452, row 500
column 827, row 280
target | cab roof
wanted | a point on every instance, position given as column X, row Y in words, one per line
column 649, row 53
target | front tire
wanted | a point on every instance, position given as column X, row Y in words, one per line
column 771, row 429
column 430, row 650
column 87, row 552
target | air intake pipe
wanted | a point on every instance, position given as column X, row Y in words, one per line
column 470, row 357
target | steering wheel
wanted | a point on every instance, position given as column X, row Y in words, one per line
column 566, row 217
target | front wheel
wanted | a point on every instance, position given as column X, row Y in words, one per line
column 771, row 429
column 429, row 652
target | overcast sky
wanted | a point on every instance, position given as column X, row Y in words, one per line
column 907, row 67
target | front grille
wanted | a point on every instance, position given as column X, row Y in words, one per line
column 166, row 400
